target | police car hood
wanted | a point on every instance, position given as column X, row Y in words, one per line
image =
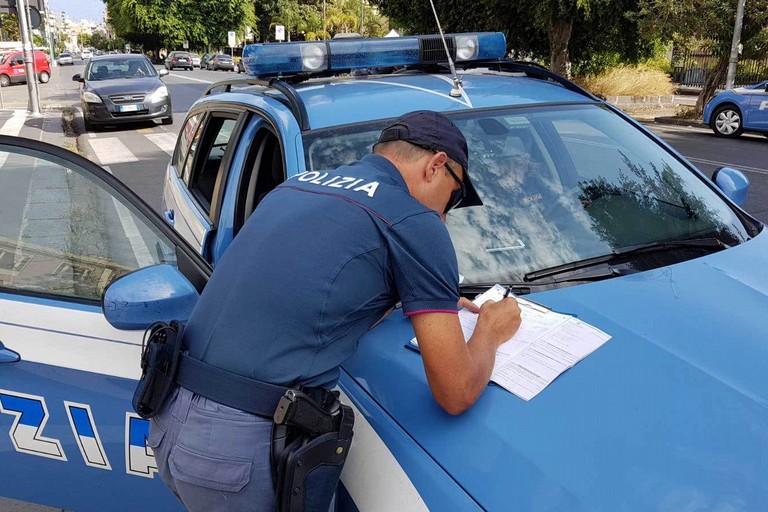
column 670, row 414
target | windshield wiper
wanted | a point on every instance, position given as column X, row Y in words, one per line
column 623, row 252
column 517, row 287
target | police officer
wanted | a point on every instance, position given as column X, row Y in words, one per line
column 321, row 260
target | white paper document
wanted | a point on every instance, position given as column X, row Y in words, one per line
column 547, row 344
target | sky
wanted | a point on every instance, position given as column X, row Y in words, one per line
column 79, row 9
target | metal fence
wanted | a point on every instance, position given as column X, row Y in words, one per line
column 690, row 69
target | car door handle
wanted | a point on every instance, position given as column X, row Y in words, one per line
column 7, row 355
column 168, row 214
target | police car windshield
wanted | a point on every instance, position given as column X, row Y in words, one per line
column 559, row 185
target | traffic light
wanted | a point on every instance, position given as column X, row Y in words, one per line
column 35, row 6
column 9, row 6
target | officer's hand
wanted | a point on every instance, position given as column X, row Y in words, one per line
column 499, row 321
column 468, row 305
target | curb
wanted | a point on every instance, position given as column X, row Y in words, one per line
column 679, row 122
column 641, row 101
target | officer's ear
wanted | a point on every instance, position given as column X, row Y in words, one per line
column 435, row 165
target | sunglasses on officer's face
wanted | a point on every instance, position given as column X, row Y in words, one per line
column 458, row 195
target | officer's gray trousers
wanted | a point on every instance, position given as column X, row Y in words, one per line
column 213, row 457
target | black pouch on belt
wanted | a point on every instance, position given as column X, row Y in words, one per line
column 159, row 362
column 318, row 438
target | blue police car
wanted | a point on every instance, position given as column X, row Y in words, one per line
column 732, row 112
column 585, row 211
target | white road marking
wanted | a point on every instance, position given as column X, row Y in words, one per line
column 193, row 79
column 110, row 150
column 727, row 164
column 13, row 125
column 138, row 245
column 165, row 141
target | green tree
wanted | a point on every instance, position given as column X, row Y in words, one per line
column 153, row 24
column 708, row 23
column 535, row 29
column 304, row 18
column 294, row 17
column 9, row 27
column 84, row 40
column 217, row 17
column 99, row 41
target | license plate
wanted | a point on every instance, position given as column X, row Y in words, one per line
column 129, row 108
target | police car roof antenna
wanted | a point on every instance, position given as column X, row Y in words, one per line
column 456, row 90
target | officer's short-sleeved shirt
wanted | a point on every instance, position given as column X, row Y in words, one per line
column 323, row 257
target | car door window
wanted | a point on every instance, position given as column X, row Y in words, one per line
column 185, row 141
column 211, row 162
column 264, row 170
column 188, row 146
column 63, row 231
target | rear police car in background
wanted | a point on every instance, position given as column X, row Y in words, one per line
column 585, row 211
column 732, row 112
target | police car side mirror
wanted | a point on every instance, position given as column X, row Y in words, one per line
column 733, row 183
column 77, row 78
column 149, row 295
column 164, row 72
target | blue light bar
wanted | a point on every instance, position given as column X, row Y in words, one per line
column 272, row 59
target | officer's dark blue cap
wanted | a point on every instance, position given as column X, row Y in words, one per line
column 435, row 132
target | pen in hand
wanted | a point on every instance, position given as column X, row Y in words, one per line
column 507, row 292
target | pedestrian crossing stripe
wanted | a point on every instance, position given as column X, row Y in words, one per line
column 111, row 150
column 165, row 141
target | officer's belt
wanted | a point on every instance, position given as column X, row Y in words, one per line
column 227, row 388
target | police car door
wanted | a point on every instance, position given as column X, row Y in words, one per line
column 68, row 436
column 196, row 177
column 758, row 111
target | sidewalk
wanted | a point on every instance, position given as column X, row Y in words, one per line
column 658, row 109
column 58, row 98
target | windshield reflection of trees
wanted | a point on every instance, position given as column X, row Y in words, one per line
column 646, row 204
column 510, row 236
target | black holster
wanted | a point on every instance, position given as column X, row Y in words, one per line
column 310, row 443
column 160, row 354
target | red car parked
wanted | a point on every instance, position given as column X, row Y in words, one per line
column 13, row 70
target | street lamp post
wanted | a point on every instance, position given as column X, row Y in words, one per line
column 29, row 59
column 734, row 58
